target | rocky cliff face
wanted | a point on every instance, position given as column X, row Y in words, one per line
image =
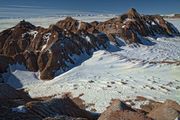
column 47, row 50
column 53, row 49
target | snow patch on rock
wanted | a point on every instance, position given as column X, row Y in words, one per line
column 127, row 20
column 88, row 39
column 46, row 37
column 19, row 109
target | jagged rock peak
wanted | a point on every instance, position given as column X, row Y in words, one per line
column 69, row 18
column 119, row 109
column 55, row 28
column 25, row 24
column 133, row 13
column 132, row 10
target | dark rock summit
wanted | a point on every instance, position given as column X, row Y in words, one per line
column 53, row 49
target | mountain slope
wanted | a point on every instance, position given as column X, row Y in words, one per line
column 57, row 49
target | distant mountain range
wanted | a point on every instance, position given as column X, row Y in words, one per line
column 171, row 16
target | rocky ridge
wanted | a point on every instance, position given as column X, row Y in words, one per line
column 54, row 50
column 17, row 105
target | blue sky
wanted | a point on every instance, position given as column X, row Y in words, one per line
column 112, row 6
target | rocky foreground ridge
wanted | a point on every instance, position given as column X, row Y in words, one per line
column 17, row 105
column 56, row 49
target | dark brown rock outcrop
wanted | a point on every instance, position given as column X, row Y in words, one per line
column 118, row 110
column 51, row 50
column 54, row 107
column 73, row 25
column 132, row 26
column 169, row 110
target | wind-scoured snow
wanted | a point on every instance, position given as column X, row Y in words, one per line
column 18, row 76
column 110, row 75
column 162, row 49
column 148, row 70
column 176, row 22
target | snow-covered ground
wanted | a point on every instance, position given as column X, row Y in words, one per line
column 122, row 74
column 175, row 22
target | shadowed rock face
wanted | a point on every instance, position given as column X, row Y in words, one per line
column 4, row 63
column 7, row 92
column 53, row 49
column 53, row 107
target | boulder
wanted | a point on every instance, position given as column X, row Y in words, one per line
column 169, row 110
column 118, row 110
